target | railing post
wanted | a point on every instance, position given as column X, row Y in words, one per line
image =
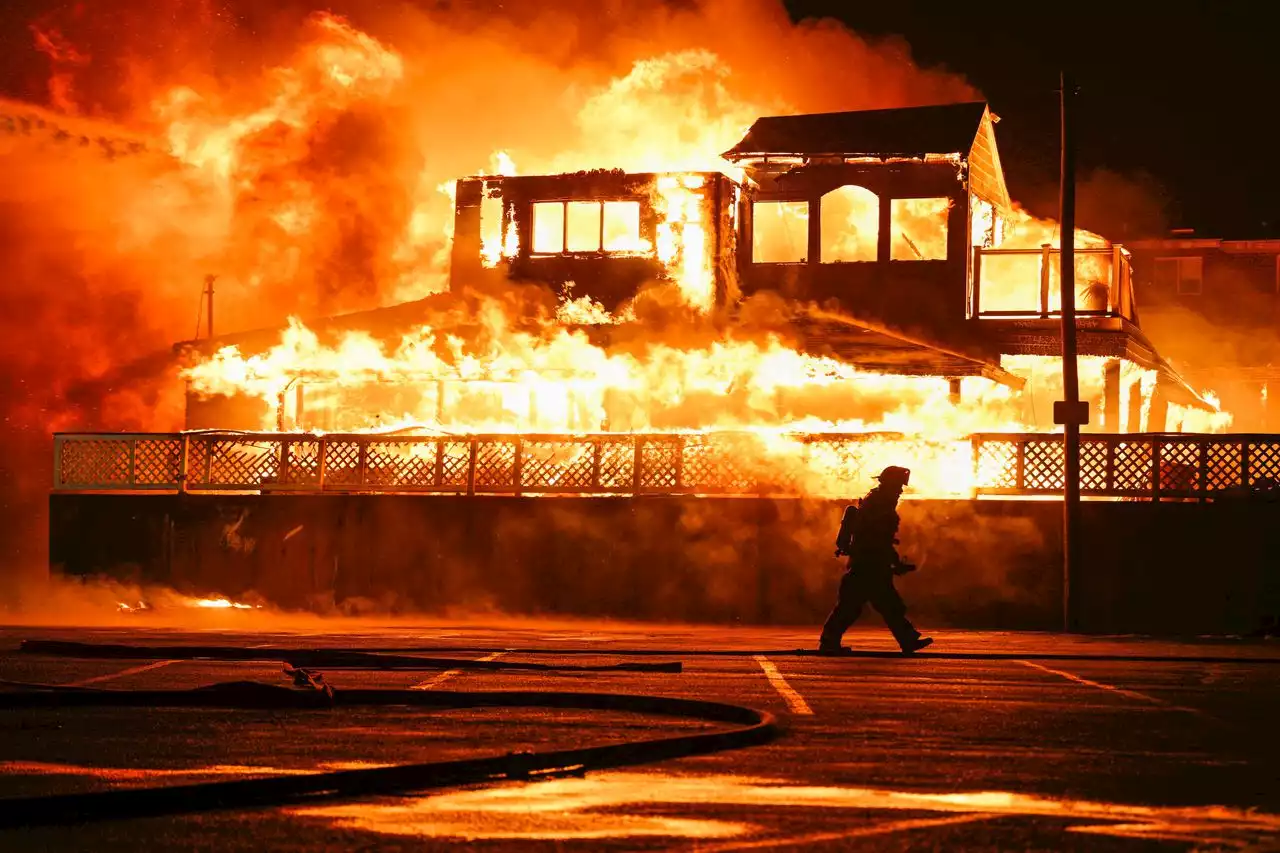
column 1020, row 463
column 596, row 449
column 184, row 461
column 977, row 281
column 1155, row 469
column 1046, row 253
column 517, row 465
column 679, row 462
column 1244, row 464
column 637, row 459
column 1202, row 475
column 133, row 461
column 322, row 446
column 57, row 462
column 473, row 448
column 1112, row 443
column 1115, row 293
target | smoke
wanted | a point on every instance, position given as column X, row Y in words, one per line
column 300, row 157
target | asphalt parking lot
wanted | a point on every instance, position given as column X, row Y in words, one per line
column 985, row 741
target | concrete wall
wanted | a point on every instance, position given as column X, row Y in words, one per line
column 1161, row 568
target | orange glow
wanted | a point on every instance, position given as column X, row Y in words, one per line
column 313, row 172
column 220, row 604
column 919, row 229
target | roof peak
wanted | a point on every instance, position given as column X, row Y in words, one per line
column 949, row 128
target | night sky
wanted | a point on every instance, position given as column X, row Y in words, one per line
column 1175, row 104
column 1182, row 91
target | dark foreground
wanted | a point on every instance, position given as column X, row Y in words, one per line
column 986, row 741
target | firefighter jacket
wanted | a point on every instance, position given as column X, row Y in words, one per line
column 875, row 533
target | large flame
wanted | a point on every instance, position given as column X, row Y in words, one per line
column 309, row 166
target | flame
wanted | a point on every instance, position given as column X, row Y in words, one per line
column 220, row 604
column 321, row 181
column 557, row 380
column 682, row 238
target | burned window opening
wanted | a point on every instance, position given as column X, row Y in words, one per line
column 1183, row 276
column 919, row 229
column 850, row 225
column 780, row 232
column 587, row 227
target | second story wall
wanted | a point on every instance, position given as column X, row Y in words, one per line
column 886, row 241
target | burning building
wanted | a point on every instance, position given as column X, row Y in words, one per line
column 850, row 287
column 847, row 291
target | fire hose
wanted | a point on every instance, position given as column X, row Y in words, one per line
column 752, row 727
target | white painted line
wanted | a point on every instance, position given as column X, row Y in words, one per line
column 800, row 842
column 109, row 676
column 793, row 699
column 1120, row 691
column 437, row 680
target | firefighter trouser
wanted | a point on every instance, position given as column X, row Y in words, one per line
column 857, row 588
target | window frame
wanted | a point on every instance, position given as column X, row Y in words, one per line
column 822, row 220
column 564, row 228
column 946, row 224
column 1181, row 261
column 808, row 212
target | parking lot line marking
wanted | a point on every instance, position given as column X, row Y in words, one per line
column 798, row 841
column 793, row 699
column 1131, row 694
column 437, row 680
column 109, row 676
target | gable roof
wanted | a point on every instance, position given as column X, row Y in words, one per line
column 908, row 132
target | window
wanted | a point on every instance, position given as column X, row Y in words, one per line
column 850, row 225
column 622, row 227
column 919, row 229
column 587, row 227
column 1183, row 276
column 548, row 228
column 780, row 232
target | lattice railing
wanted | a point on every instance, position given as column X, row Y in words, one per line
column 721, row 463
column 1136, row 466
column 605, row 464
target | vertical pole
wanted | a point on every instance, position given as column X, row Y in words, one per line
column 1046, row 262
column 1070, row 377
column 208, row 295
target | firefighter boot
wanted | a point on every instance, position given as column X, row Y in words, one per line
column 913, row 646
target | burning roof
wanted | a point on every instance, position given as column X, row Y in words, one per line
column 908, row 132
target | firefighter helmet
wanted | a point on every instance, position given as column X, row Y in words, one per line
column 894, row 476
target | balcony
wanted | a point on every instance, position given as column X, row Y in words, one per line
column 1024, row 283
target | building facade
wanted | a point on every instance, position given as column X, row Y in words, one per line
column 1214, row 307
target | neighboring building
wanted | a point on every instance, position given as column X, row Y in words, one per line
column 1214, row 307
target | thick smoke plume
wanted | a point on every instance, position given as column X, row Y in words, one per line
column 301, row 157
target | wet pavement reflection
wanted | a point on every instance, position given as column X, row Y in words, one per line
column 623, row 804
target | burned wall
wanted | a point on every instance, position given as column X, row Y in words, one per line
column 609, row 269
column 914, row 280
column 983, row 564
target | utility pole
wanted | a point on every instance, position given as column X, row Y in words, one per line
column 208, row 295
column 1070, row 411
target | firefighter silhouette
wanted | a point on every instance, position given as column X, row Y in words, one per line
column 868, row 536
